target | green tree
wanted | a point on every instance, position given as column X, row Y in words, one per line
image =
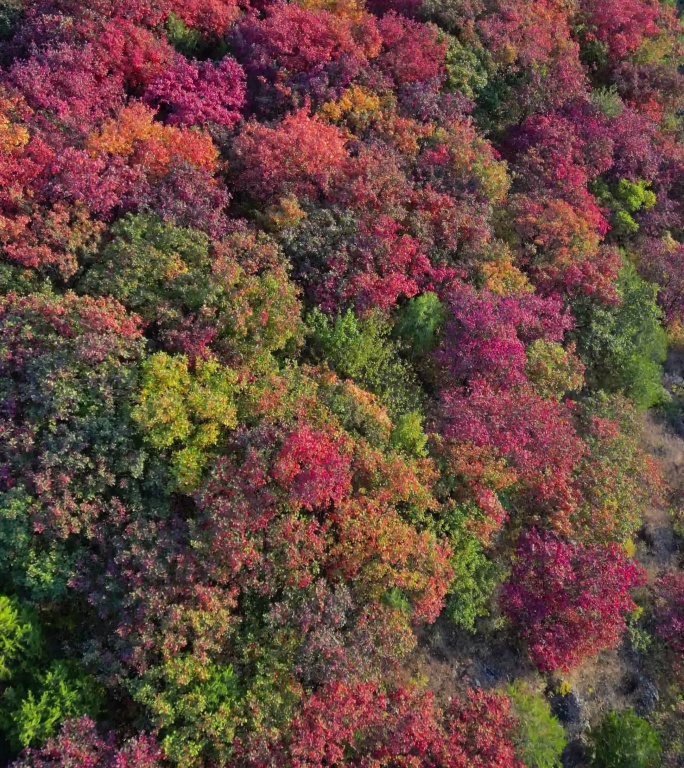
column 196, row 704
column 11, row 12
column 361, row 349
column 151, row 267
column 466, row 71
column 418, row 323
column 408, row 435
column 624, row 199
column 475, row 574
column 36, row 567
column 183, row 38
column 608, row 101
column 62, row 691
column 191, row 42
column 38, row 694
column 236, row 292
column 623, row 740
column 624, row 346
column 186, row 409
column 540, row 738
column 18, row 637
column 553, row 370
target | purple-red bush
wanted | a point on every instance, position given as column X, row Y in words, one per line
column 568, row 602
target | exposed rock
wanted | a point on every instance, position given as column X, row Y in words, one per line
column 571, row 711
column 575, row 755
column 647, row 697
column 490, row 675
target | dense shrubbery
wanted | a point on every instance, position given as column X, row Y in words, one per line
column 625, row 741
column 541, row 738
column 320, row 320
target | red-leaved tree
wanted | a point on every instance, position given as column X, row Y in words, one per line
column 566, row 601
column 669, row 614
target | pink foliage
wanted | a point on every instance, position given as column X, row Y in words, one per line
column 312, row 468
column 73, row 84
column 567, row 601
column 296, row 40
column 209, row 16
column 535, row 437
column 104, row 185
column 362, row 725
column 200, row 92
column 133, row 52
column 480, row 733
column 669, row 613
column 300, row 155
column 662, row 262
column 79, row 745
column 412, row 52
column 563, row 151
column 486, row 335
column 384, row 264
column 622, row 25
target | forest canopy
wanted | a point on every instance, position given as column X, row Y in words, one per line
column 324, row 322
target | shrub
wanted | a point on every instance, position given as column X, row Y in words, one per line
column 568, row 601
column 623, row 740
column 624, row 346
column 361, row 349
column 541, row 738
column 475, row 574
column 418, row 323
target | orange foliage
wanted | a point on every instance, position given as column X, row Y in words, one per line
column 136, row 136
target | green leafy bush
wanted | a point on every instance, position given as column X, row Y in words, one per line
column 608, row 101
column 196, row 705
column 184, row 39
column 408, row 435
column 540, row 738
column 361, row 349
column 18, row 638
column 30, row 565
column 191, row 42
column 624, row 346
column 624, row 199
column 418, row 323
column 186, row 410
column 10, row 13
column 475, row 574
column 465, row 70
column 623, row 740
column 63, row 691
column 38, row 695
